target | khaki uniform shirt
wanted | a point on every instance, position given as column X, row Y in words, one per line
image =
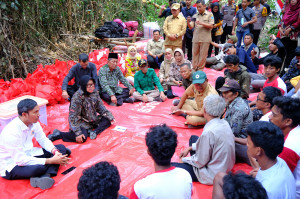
column 156, row 47
column 174, row 26
column 202, row 34
column 199, row 97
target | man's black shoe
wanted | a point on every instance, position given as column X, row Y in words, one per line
column 56, row 135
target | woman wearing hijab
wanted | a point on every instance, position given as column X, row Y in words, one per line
column 87, row 115
column 165, row 68
column 289, row 29
column 131, row 64
column 175, row 78
column 217, row 31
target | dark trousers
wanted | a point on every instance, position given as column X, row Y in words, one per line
column 215, row 39
column 256, row 34
column 155, row 63
column 290, row 47
column 71, row 89
column 188, row 43
column 70, row 136
column 120, row 97
column 241, row 153
column 219, row 83
column 188, row 167
column 226, row 31
column 25, row 172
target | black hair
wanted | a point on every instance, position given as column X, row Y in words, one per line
column 83, row 57
column 183, row 3
column 100, row 181
column 234, row 90
column 156, row 30
column 250, row 34
column 289, row 108
column 274, row 61
column 200, row 1
column 242, row 186
column 297, row 51
column 26, row 105
column 161, row 141
column 270, row 93
column 232, row 59
column 268, row 136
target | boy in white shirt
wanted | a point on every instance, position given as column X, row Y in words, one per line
column 167, row 181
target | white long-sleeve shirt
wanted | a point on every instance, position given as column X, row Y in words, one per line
column 16, row 147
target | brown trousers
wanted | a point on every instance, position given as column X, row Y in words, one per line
column 191, row 105
column 200, row 51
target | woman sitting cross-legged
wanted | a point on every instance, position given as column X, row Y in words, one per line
column 87, row 115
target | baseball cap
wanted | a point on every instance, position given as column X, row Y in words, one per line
column 233, row 38
column 199, row 77
column 226, row 47
column 229, row 84
column 142, row 62
column 175, row 6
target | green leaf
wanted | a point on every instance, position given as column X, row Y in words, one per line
column 3, row 5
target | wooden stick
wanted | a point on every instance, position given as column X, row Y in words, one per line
column 122, row 43
column 134, row 36
column 126, row 43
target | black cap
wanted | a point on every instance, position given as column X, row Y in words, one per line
column 113, row 56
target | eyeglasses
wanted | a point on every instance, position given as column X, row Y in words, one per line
column 260, row 99
column 90, row 85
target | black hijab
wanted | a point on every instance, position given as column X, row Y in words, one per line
column 217, row 15
column 83, row 82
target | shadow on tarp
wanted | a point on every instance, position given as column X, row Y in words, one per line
column 126, row 150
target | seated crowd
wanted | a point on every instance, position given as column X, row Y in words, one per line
column 264, row 133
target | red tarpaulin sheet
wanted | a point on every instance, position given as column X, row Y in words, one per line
column 126, row 150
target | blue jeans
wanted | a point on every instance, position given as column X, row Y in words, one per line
column 240, row 36
column 291, row 92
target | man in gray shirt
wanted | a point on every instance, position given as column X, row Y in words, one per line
column 214, row 150
column 228, row 10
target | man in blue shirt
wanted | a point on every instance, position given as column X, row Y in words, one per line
column 243, row 19
column 245, row 60
column 188, row 11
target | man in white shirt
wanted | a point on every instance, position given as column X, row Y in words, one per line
column 19, row 159
column 265, row 142
column 264, row 101
column 167, row 181
column 214, row 150
column 286, row 115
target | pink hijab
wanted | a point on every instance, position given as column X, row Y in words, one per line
column 291, row 14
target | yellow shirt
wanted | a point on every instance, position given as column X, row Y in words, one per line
column 199, row 97
column 202, row 34
column 294, row 81
column 174, row 26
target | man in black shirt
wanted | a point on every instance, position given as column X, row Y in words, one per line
column 84, row 67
